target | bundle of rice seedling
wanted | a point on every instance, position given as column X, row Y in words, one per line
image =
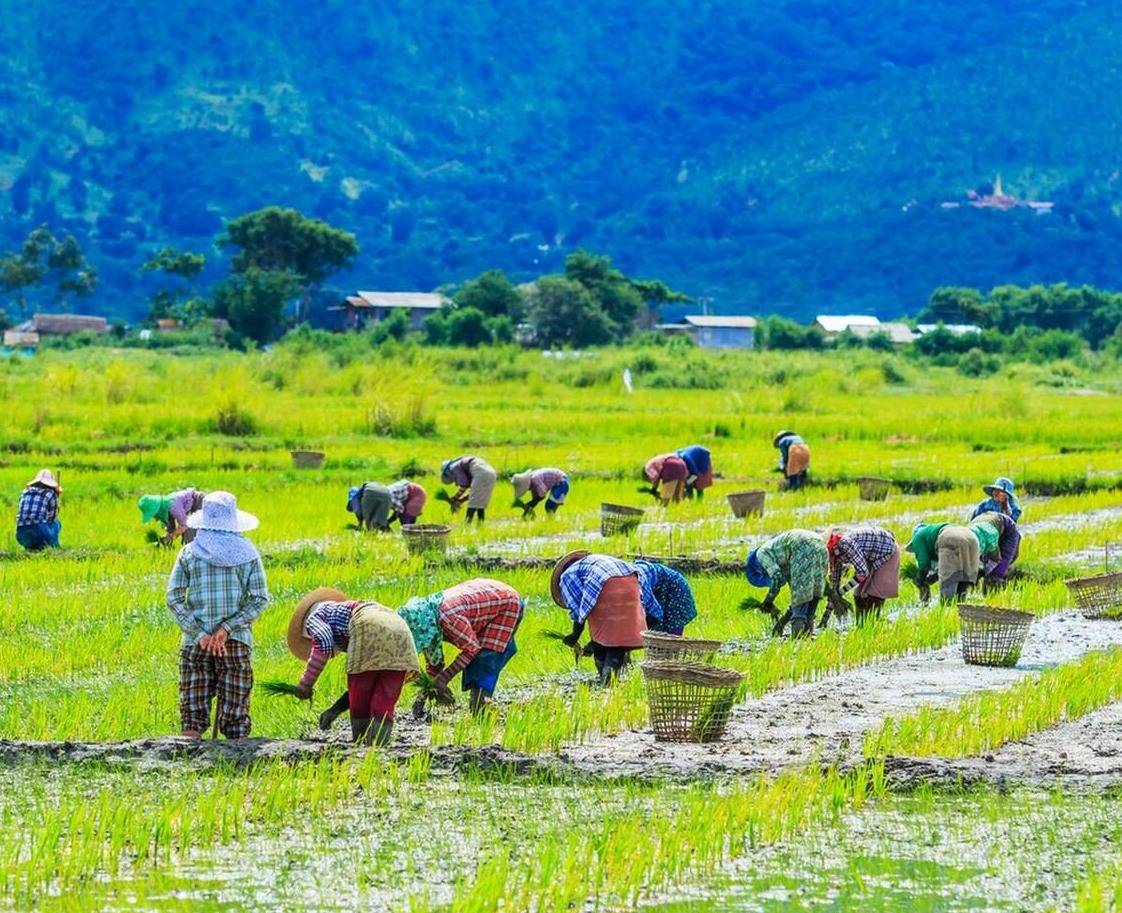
column 277, row 688
column 442, row 495
column 750, row 603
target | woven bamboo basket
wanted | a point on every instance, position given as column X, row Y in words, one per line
column 873, row 489
column 992, row 637
column 662, row 647
column 307, row 459
column 747, row 503
column 616, row 519
column 689, row 702
column 1098, row 597
column 424, row 537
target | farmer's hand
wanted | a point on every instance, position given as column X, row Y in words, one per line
column 444, row 695
column 924, row 593
column 571, row 640
column 218, row 641
column 303, row 692
column 768, row 608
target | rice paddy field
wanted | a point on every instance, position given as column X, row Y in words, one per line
column 867, row 768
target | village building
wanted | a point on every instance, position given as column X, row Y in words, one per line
column 900, row 333
column 836, row 324
column 715, row 331
column 28, row 334
column 368, row 308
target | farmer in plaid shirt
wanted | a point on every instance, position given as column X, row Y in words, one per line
column 37, row 523
column 799, row 559
column 873, row 554
column 216, row 591
column 479, row 617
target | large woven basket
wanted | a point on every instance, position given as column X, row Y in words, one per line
column 1098, row 597
column 747, row 503
column 873, row 489
column 616, row 519
column 662, row 647
column 689, row 702
column 307, row 459
column 993, row 637
column 424, row 537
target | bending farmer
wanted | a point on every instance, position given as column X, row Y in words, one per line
column 475, row 483
column 172, row 511
column 37, row 522
column 407, row 499
column 371, row 504
column 667, row 474
column 548, row 484
column 797, row 558
column 999, row 541
column 948, row 553
column 668, row 602
column 794, row 458
column 873, row 554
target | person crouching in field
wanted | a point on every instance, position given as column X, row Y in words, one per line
column 37, row 522
column 1001, row 500
column 475, row 483
column 216, row 591
column 667, row 474
column 381, row 657
column 371, row 504
column 546, row 484
column 603, row 592
column 874, row 556
column 172, row 511
column 479, row 617
column 407, row 499
column 699, row 462
column 951, row 554
column 794, row 458
column 668, row 602
column 799, row 559
column 999, row 542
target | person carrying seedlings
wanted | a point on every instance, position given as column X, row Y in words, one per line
column 479, row 617
column 381, row 657
column 947, row 553
column 699, row 462
column 999, row 542
column 475, row 479
column 546, row 484
column 371, row 504
column 668, row 602
column 873, row 554
column 667, row 474
column 797, row 558
column 216, row 591
column 407, row 499
column 37, row 522
column 1001, row 500
column 172, row 511
column 794, row 458
column 604, row 593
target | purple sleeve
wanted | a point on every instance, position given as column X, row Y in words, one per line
column 181, row 503
column 1009, row 546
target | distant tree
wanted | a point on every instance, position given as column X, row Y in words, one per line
column 781, row 333
column 949, row 304
column 501, row 329
column 655, row 293
column 45, row 260
column 434, row 329
column 166, row 302
column 396, row 326
column 618, row 299
column 468, row 327
column 253, row 301
column 493, row 294
column 564, row 312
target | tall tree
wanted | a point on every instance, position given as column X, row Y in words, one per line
column 166, row 302
column 253, row 301
column 45, row 260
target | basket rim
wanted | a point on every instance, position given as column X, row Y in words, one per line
column 972, row 612
column 690, row 673
column 662, row 639
column 420, row 529
column 621, row 509
column 744, row 494
column 874, row 479
column 317, row 453
column 1095, row 581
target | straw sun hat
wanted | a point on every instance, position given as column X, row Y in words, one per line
column 559, row 568
column 46, row 478
column 299, row 643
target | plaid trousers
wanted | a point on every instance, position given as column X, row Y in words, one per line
column 204, row 676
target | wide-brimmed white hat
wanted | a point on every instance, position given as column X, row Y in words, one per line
column 521, row 482
column 45, row 477
column 220, row 513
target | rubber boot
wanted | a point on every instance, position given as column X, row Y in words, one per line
column 379, row 733
column 360, row 726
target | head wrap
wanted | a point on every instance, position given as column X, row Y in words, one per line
column 754, row 570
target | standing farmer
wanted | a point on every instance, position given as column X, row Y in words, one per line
column 381, row 656
column 873, row 554
column 794, row 458
column 371, row 504
column 408, row 501
column 799, row 559
column 547, row 484
column 603, row 592
column 216, row 591
column 37, row 522
column 478, row 617
column 999, row 541
column 1001, row 500
column 699, row 462
column 172, row 510
column 667, row 599
column 946, row 552
column 475, row 479
column 667, row 474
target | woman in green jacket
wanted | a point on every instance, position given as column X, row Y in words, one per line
column 948, row 553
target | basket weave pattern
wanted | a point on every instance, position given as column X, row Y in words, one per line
column 993, row 637
column 307, row 459
column 616, row 519
column 672, row 648
column 689, row 702
column 422, row 537
column 872, row 489
column 747, row 503
column 1098, row 597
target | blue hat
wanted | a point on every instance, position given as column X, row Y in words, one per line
column 754, row 570
column 444, row 467
column 1001, row 484
column 352, row 494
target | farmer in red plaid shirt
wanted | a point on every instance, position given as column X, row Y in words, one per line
column 479, row 617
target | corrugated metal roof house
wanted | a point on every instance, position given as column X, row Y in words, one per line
column 716, row 331
column 364, row 308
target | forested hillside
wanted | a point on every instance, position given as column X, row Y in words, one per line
column 774, row 156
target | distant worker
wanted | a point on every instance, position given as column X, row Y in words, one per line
column 699, row 462
column 947, row 553
column 794, row 458
column 999, row 542
column 668, row 602
column 797, row 558
column 407, row 499
column 547, row 484
column 475, row 479
column 172, row 511
column 371, row 504
column 604, row 593
column 873, row 554
column 1001, row 500
column 37, row 522
column 666, row 474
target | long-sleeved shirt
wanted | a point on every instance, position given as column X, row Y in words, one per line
column 203, row 597
column 180, row 508
column 583, row 580
column 799, row 559
column 542, row 481
column 925, row 546
column 460, row 471
column 1008, row 546
column 866, row 550
column 697, row 459
column 666, row 467
column 407, row 498
column 784, row 445
column 666, row 595
column 328, row 625
column 1011, row 509
column 478, row 615
column 37, row 504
